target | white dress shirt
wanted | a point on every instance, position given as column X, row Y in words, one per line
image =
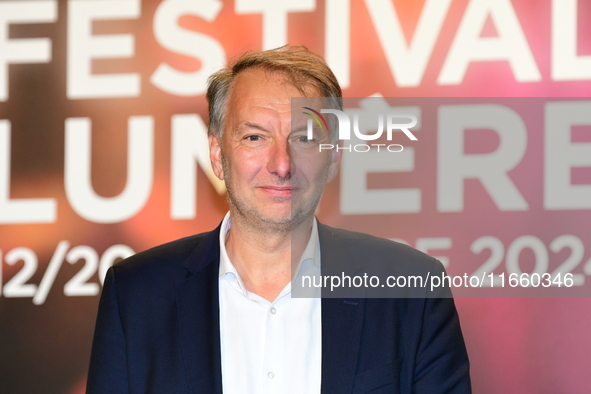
column 269, row 347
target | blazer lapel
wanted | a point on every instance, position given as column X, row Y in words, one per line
column 342, row 321
column 198, row 314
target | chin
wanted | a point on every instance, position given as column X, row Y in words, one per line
column 277, row 219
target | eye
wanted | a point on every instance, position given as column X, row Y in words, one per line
column 253, row 138
column 303, row 142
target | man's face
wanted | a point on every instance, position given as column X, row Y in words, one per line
column 274, row 175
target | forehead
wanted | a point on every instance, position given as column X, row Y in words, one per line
column 265, row 89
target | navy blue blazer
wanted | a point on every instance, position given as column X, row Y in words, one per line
column 157, row 329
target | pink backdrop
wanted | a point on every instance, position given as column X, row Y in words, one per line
column 80, row 77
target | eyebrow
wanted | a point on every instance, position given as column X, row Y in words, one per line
column 301, row 128
column 250, row 125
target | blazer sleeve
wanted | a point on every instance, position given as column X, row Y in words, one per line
column 442, row 364
column 108, row 366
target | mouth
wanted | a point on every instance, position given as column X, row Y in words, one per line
column 279, row 191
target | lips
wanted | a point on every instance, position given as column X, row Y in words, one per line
column 284, row 190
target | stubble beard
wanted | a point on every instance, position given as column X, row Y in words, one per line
column 255, row 220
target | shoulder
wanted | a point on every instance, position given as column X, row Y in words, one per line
column 375, row 249
column 174, row 251
column 400, row 271
column 167, row 262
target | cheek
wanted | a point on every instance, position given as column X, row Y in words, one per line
column 315, row 172
column 246, row 167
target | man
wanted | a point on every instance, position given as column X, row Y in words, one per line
column 214, row 312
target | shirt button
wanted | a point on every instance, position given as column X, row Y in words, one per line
column 273, row 310
column 271, row 375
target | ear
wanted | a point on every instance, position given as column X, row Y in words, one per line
column 215, row 155
column 333, row 166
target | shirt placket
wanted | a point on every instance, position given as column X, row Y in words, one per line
column 274, row 360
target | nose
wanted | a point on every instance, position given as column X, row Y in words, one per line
column 280, row 160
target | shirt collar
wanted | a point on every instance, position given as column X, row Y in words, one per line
column 226, row 265
column 311, row 253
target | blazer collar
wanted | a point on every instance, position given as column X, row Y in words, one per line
column 205, row 253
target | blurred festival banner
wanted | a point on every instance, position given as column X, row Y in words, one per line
column 103, row 153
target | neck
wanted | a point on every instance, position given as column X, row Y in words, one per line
column 266, row 260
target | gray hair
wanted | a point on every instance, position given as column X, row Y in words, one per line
column 301, row 67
